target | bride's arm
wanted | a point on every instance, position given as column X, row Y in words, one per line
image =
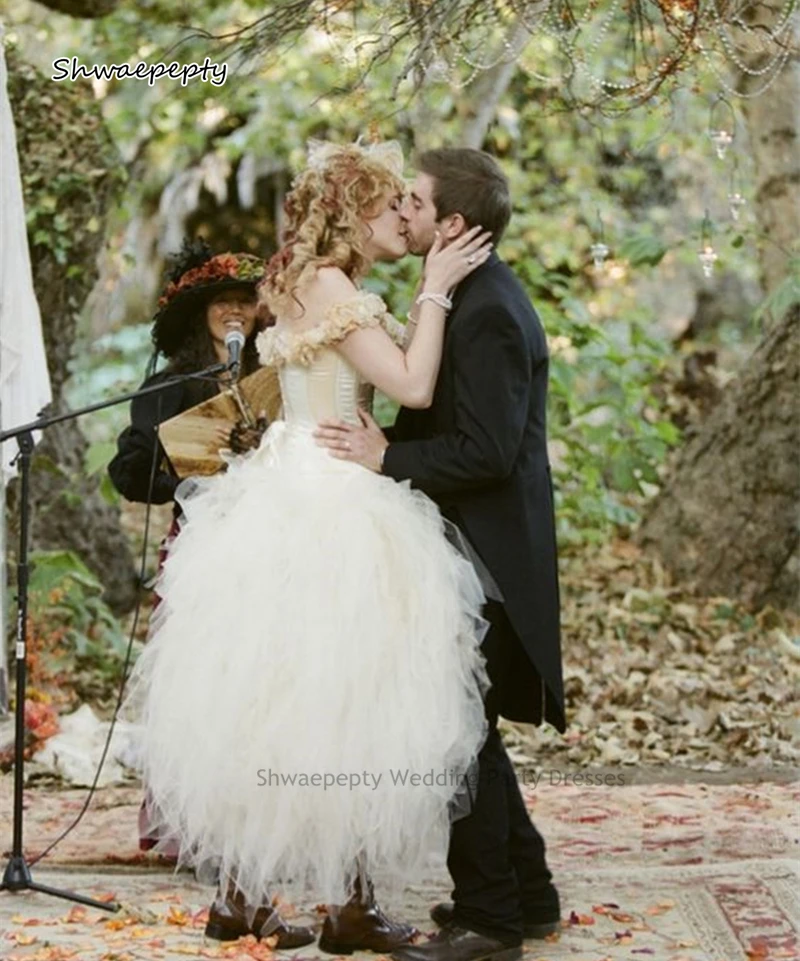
column 409, row 377
column 413, row 316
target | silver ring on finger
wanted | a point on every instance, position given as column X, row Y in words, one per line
column 471, row 259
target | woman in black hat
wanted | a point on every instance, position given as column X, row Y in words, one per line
column 206, row 297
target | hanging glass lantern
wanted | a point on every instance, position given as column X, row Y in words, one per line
column 736, row 199
column 599, row 253
column 722, row 139
column 721, row 126
column 599, row 249
column 707, row 255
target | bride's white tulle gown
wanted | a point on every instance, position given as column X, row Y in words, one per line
column 311, row 691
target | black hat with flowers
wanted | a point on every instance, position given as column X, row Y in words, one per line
column 195, row 276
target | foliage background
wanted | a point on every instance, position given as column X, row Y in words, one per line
column 647, row 176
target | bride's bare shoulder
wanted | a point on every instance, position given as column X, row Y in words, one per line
column 329, row 285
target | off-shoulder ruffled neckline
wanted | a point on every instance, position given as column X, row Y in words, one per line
column 363, row 309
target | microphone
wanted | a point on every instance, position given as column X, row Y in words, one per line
column 234, row 341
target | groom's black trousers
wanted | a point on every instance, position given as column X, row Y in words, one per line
column 496, row 856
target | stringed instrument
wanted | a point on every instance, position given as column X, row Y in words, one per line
column 191, row 438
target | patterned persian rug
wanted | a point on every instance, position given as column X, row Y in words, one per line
column 639, row 825
column 670, row 873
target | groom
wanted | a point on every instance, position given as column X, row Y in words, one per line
column 480, row 452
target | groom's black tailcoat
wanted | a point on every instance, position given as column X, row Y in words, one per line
column 480, row 452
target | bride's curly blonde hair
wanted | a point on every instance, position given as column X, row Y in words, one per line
column 324, row 221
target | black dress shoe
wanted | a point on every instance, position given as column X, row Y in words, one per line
column 537, row 927
column 458, row 944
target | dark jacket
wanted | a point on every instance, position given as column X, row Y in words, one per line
column 480, row 452
column 130, row 469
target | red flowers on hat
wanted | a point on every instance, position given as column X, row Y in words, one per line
column 242, row 267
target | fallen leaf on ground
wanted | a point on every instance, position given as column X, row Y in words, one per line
column 21, row 939
column 178, row 916
column 76, row 915
column 661, row 908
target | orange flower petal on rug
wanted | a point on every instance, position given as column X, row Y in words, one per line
column 46, row 954
column 76, row 915
column 661, row 908
column 251, row 949
column 26, row 922
column 178, row 916
column 22, row 939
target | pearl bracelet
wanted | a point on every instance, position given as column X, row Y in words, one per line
column 441, row 300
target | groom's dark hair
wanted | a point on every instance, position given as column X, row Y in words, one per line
column 471, row 183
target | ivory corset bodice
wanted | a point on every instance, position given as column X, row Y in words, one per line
column 317, row 382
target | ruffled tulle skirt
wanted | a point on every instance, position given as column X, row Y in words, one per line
column 311, row 692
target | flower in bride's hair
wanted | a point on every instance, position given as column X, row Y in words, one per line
column 388, row 153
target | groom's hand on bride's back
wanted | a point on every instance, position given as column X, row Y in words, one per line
column 364, row 445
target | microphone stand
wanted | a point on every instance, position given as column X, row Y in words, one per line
column 17, row 875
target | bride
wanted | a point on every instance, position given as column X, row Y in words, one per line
column 311, row 693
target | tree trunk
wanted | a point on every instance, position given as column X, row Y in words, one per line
column 727, row 519
column 477, row 104
column 773, row 121
column 70, row 172
column 486, row 92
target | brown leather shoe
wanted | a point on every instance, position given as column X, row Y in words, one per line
column 360, row 925
column 457, row 944
column 536, row 926
column 227, row 921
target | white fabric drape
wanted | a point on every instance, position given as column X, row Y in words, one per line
column 24, row 380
